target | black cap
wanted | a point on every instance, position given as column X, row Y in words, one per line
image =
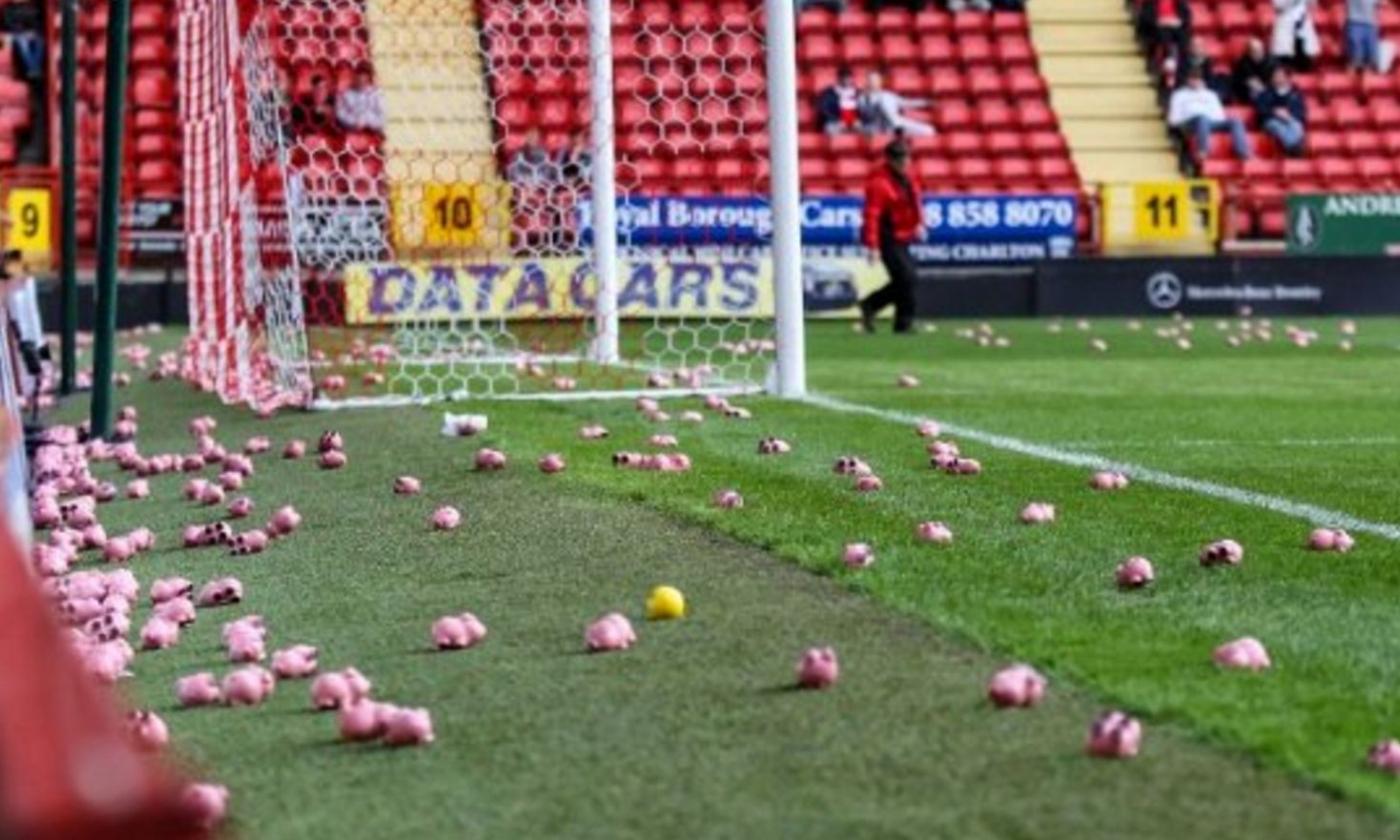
column 897, row 149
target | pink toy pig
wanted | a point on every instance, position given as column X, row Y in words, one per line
column 1222, row 553
column 220, row 592
column 728, row 500
column 1114, row 735
column 159, row 633
column 360, row 721
column 333, row 460
column 934, row 532
column 611, row 632
column 1385, row 756
column 1245, row 653
column 552, row 463
column 407, row 485
column 1134, row 573
column 446, row 518
column 198, row 690
column 1038, row 513
column 456, row 632
column 1019, row 686
column 295, row 662
column 240, row 507
column 858, row 555
column 489, row 460
column 818, row 668
column 147, row 730
column 294, row 449
column 408, row 727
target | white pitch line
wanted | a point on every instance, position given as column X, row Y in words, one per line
column 1277, row 504
column 1215, row 442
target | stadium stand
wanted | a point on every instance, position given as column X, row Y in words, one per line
column 152, row 144
column 1354, row 120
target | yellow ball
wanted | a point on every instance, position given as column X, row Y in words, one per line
column 665, row 602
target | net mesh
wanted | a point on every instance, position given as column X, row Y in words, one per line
column 392, row 198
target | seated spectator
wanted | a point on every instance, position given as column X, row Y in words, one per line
column 1283, row 113
column 837, row 6
column 314, row 110
column 532, row 165
column 838, row 107
column 1251, row 72
column 1363, row 35
column 1295, row 38
column 1196, row 112
column 359, row 106
column 912, row 5
column 969, row 5
column 575, row 163
column 1198, row 59
column 882, row 111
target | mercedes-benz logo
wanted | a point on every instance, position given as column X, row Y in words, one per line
column 1164, row 290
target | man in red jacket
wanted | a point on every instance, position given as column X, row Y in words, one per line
column 893, row 220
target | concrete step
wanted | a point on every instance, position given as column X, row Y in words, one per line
column 1124, row 69
column 1146, row 135
column 1084, row 39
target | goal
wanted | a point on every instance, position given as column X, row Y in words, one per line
column 412, row 200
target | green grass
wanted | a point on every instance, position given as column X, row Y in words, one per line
column 693, row 732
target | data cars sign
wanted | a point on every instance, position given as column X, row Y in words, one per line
column 960, row 228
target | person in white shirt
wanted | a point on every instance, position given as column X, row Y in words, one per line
column 359, row 106
column 882, row 111
column 1196, row 111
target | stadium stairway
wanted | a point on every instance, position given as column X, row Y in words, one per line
column 1107, row 106
column 437, row 132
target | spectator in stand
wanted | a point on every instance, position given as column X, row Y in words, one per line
column 575, row 164
column 882, row 111
column 314, row 110
column 1196, row 111
column 969, row 5
column 912, row 5
column 893, row 220
column 1295, row 38
column 1251, row 73
column 838, row 107
column 1166, row 26
column 1283, row 113
column 1363, row 35
column 533, row 165
column 1198, row 59
column 836, row 6
column 359, row 107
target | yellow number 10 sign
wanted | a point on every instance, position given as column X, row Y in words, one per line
column 452, row 214
column 30, row 213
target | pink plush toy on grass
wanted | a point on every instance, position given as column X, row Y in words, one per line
column 408, row 727
column 851, row 465
column 295, row 662
column 249, row 686
column 593, row 432
column 361, row 721
column 934, row 532
column 728, row 500
column 1019, row 686
column 1247, row 654
column 407, row 485
column 818, row 668
column 207, row 804
column 1038, row 513
column 1108, row 481
column 294, row 449
column 198, row 690
column 611, row 632
column 773, row 446
column 1114, row 735
column 118, row 550
column 335, row 689
column 552, row 463
column 159, row 633
column 457, row 632
column 868, row 484
column 1134, row 573
column 147, row 730
column 1331, row 539
column 220, row 592
column 907, row 380
column 333, row 460
column 490, row 460
column 446, row 518
column 1385, row 756
column 1222, row 553
column 138, row 488
column 284, row 521
column 164, row 589
column 240, row 507
column 858, row 555
column 249, row 542
column 257, row 445
column 179, row 610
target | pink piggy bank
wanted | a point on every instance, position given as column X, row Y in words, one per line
column 1019, row 686
column 818, row 668
column 1114, row 735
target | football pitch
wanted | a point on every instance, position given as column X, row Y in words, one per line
column 696, row 731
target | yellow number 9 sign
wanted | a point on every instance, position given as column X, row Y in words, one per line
column 30, row 216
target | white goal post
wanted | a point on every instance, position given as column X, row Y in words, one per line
column 486, row 237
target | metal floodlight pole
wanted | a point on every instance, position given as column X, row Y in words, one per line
column 108, row 223
column 787, row 224
column 68, row 199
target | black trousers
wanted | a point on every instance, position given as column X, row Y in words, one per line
column 899, row 291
